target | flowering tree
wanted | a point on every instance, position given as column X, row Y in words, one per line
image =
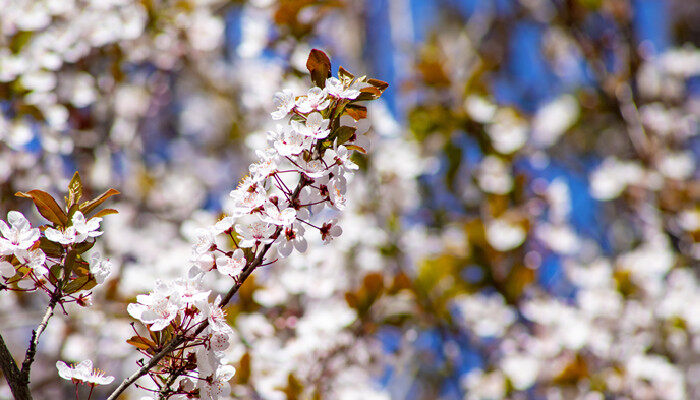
column 523, row 224
column 187, row 332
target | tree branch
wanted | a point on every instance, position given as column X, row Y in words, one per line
column 180, row 339
column 31, row 350
column 14, row 377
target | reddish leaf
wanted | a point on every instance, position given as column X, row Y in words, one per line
column 141, row 342
column 47, row 206
column 357, row 112
column 75, row 190
column 319, row 65
column 343, row 73
column 369, row 93
column 356, row 148
column 380, row 85
column 50, row 248
column 351, row 299
column 88, row 206
column 106, row 211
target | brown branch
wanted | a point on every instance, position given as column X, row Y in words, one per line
column 180, row 339
column 31, row 350
column 14, row 377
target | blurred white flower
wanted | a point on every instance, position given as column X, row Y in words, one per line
column 553, row 120
column 508, row 132
column 521, row 369
column 612, row 177
column 503, row 235
column 493, row 176
column 486, row 314
column 100, row 267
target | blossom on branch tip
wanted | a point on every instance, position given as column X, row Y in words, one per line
column 330, row 230
column 289, row 141
column 336, row 88
column 215, row 315
column 78, row 232
column 266, row 166
column 341, row 156
column 248, row 195
column 203, row 261
column 83, row 372
column 292, row 238
column 336, row 191
column 204, row 240
column 85, row 229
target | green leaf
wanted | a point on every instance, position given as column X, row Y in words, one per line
column 82, row 247
column 80, row 283
column 55, row 274
column 319, row 66
column 47, row 206
column 75, row 190
column 343, row 134
column 50, row 248
column 89, row 206
column 71, row 259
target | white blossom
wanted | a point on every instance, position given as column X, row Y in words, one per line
column 285, row 104
column 256, row 233
column 233, row 265
column 83, row 372
column 157, row 308
column 315, row 100
column 19, row 235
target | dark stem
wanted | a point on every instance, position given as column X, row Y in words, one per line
column 18, row 385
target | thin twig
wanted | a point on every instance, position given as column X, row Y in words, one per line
column 31, row 350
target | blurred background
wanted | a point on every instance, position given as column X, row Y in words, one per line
column 525, row 225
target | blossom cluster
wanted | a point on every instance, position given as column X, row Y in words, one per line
column 309, row 151
column 51, row 257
